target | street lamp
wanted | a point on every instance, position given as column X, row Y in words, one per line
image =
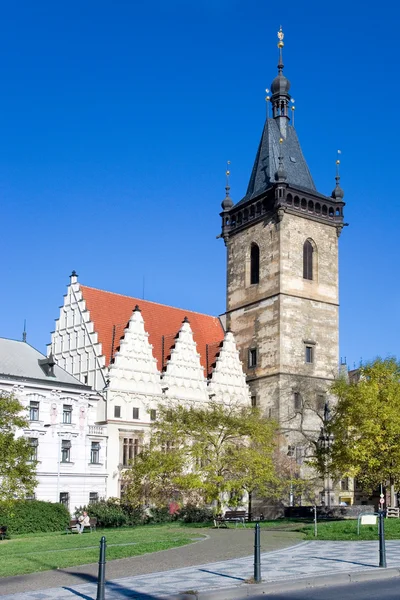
column 58, row 459
column 324, row 443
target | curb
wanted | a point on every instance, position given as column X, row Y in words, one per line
column 245, row 591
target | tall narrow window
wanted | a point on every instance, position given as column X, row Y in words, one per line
column 254, row 264
column 93, row 497
column 153, row 414
column 64, row 498
column 95, row 453
column 135, row 413
column 252, row 358
column 309, row 354
column 297, row 401
column 34, row 443
column 130, row 450
column 308, row 260
column 65, row 451
column 117, row 412
column 33, row 411
column 67, row 414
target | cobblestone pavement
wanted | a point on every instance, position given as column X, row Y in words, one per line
column 302, row 560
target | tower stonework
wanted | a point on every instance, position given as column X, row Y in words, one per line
column 282, row 277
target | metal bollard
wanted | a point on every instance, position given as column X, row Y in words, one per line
column 382, row 546
column 257, row 559
column 102, row 570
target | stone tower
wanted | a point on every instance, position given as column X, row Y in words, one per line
column 282, row 277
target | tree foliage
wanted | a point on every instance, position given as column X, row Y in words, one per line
column 202, row 453
column 17, row 471
column 365, row 425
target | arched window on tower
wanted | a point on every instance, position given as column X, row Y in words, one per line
column 254, row 264
column 308, row 251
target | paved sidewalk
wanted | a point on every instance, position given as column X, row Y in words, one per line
column 290, row 564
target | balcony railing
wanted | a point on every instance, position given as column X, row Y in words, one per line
column 96, row 430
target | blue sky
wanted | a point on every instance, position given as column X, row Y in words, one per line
column 116, row 122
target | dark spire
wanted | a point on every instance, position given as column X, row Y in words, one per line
column 280, row 91
column 24, row 332
column 137, row 309
column 338, row 192
column 185, row 320
column 227, row 201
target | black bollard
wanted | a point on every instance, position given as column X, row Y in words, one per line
column 102, row 570
column 257, row 559
column 382, row 546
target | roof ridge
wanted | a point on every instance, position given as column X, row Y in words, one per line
column 195, row 312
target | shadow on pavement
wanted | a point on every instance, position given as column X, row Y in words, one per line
column 350, row 562
column 222, row 575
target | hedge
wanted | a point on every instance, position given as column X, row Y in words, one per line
column 32, row 516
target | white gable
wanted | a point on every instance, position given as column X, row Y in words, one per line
column 228, row 382
column 184, row 375
column 134, row 369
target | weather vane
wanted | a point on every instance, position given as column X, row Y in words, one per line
column 281, row 35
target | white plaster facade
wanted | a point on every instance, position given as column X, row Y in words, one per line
column 71, row 449
column 135, row 386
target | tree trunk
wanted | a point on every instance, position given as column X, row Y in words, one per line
column 250, row 508
column 392, row 494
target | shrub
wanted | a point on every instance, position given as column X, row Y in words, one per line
column 195, row 514
column 32, row 516
column 107, row 512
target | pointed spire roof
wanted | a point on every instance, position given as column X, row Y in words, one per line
column 266, row 163
column 268, row 167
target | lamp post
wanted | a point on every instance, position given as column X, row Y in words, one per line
column 59, row 434
column 324, row 443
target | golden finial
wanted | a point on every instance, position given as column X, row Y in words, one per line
column 339, row 152
column 281, row 140
column 227, row 172
column 281, row 35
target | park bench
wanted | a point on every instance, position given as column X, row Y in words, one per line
column 73, row 525
column 231, row 516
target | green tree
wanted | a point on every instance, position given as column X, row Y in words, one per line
column 206, row 451
column 17, row 471
column 365, row 425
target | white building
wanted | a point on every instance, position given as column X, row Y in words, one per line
column 71, row 449
column 140, row 354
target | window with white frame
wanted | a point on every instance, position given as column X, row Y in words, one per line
column 67, row 414
column 65, row 451
column 33, row 410
column 95, row 453
column 130, row 449
column 33, row 443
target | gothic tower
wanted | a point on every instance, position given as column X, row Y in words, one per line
column 282, row 276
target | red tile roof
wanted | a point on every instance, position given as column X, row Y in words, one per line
column 111, row 312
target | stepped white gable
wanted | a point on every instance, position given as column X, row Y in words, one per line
column 74, row 343
column 184, row 379
column 228, row 382
column 134, row 369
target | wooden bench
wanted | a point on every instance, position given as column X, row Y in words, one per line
column 73, row 525
column 231, row 516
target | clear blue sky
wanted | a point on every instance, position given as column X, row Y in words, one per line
column 116, row 121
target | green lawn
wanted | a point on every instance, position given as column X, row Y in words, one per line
column 40, row 552
column 347, row 530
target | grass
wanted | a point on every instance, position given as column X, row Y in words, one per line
column 40, row 552
column 346, row 530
